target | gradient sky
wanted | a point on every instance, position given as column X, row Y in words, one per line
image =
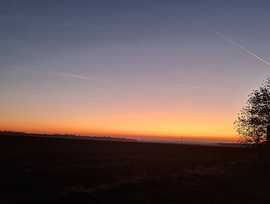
column 130, row 67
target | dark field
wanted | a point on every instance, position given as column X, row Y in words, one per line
column 50, row 170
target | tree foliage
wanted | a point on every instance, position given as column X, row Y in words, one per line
column 253, row 119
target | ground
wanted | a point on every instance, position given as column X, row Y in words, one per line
column 58, row 170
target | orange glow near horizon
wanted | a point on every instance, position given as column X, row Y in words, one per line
column 151, row 126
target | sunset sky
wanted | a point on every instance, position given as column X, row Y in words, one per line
column 160, row 68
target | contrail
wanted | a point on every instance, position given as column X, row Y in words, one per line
column 66, row 75
column 74, row 76
column 187, row 86
column 234, row 43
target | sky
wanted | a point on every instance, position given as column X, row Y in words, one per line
column 144, row 68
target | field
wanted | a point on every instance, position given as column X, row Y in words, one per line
column 55, row 170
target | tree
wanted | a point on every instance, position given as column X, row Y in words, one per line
column 253, row 119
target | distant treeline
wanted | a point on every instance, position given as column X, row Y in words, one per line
column 66, row 136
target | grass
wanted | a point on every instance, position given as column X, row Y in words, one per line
column 53, row 170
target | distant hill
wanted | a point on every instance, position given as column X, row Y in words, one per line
column 67, row 136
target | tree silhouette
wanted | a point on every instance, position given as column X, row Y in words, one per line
column 253, row 119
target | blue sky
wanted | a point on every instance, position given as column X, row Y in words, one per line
column 87, row 66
